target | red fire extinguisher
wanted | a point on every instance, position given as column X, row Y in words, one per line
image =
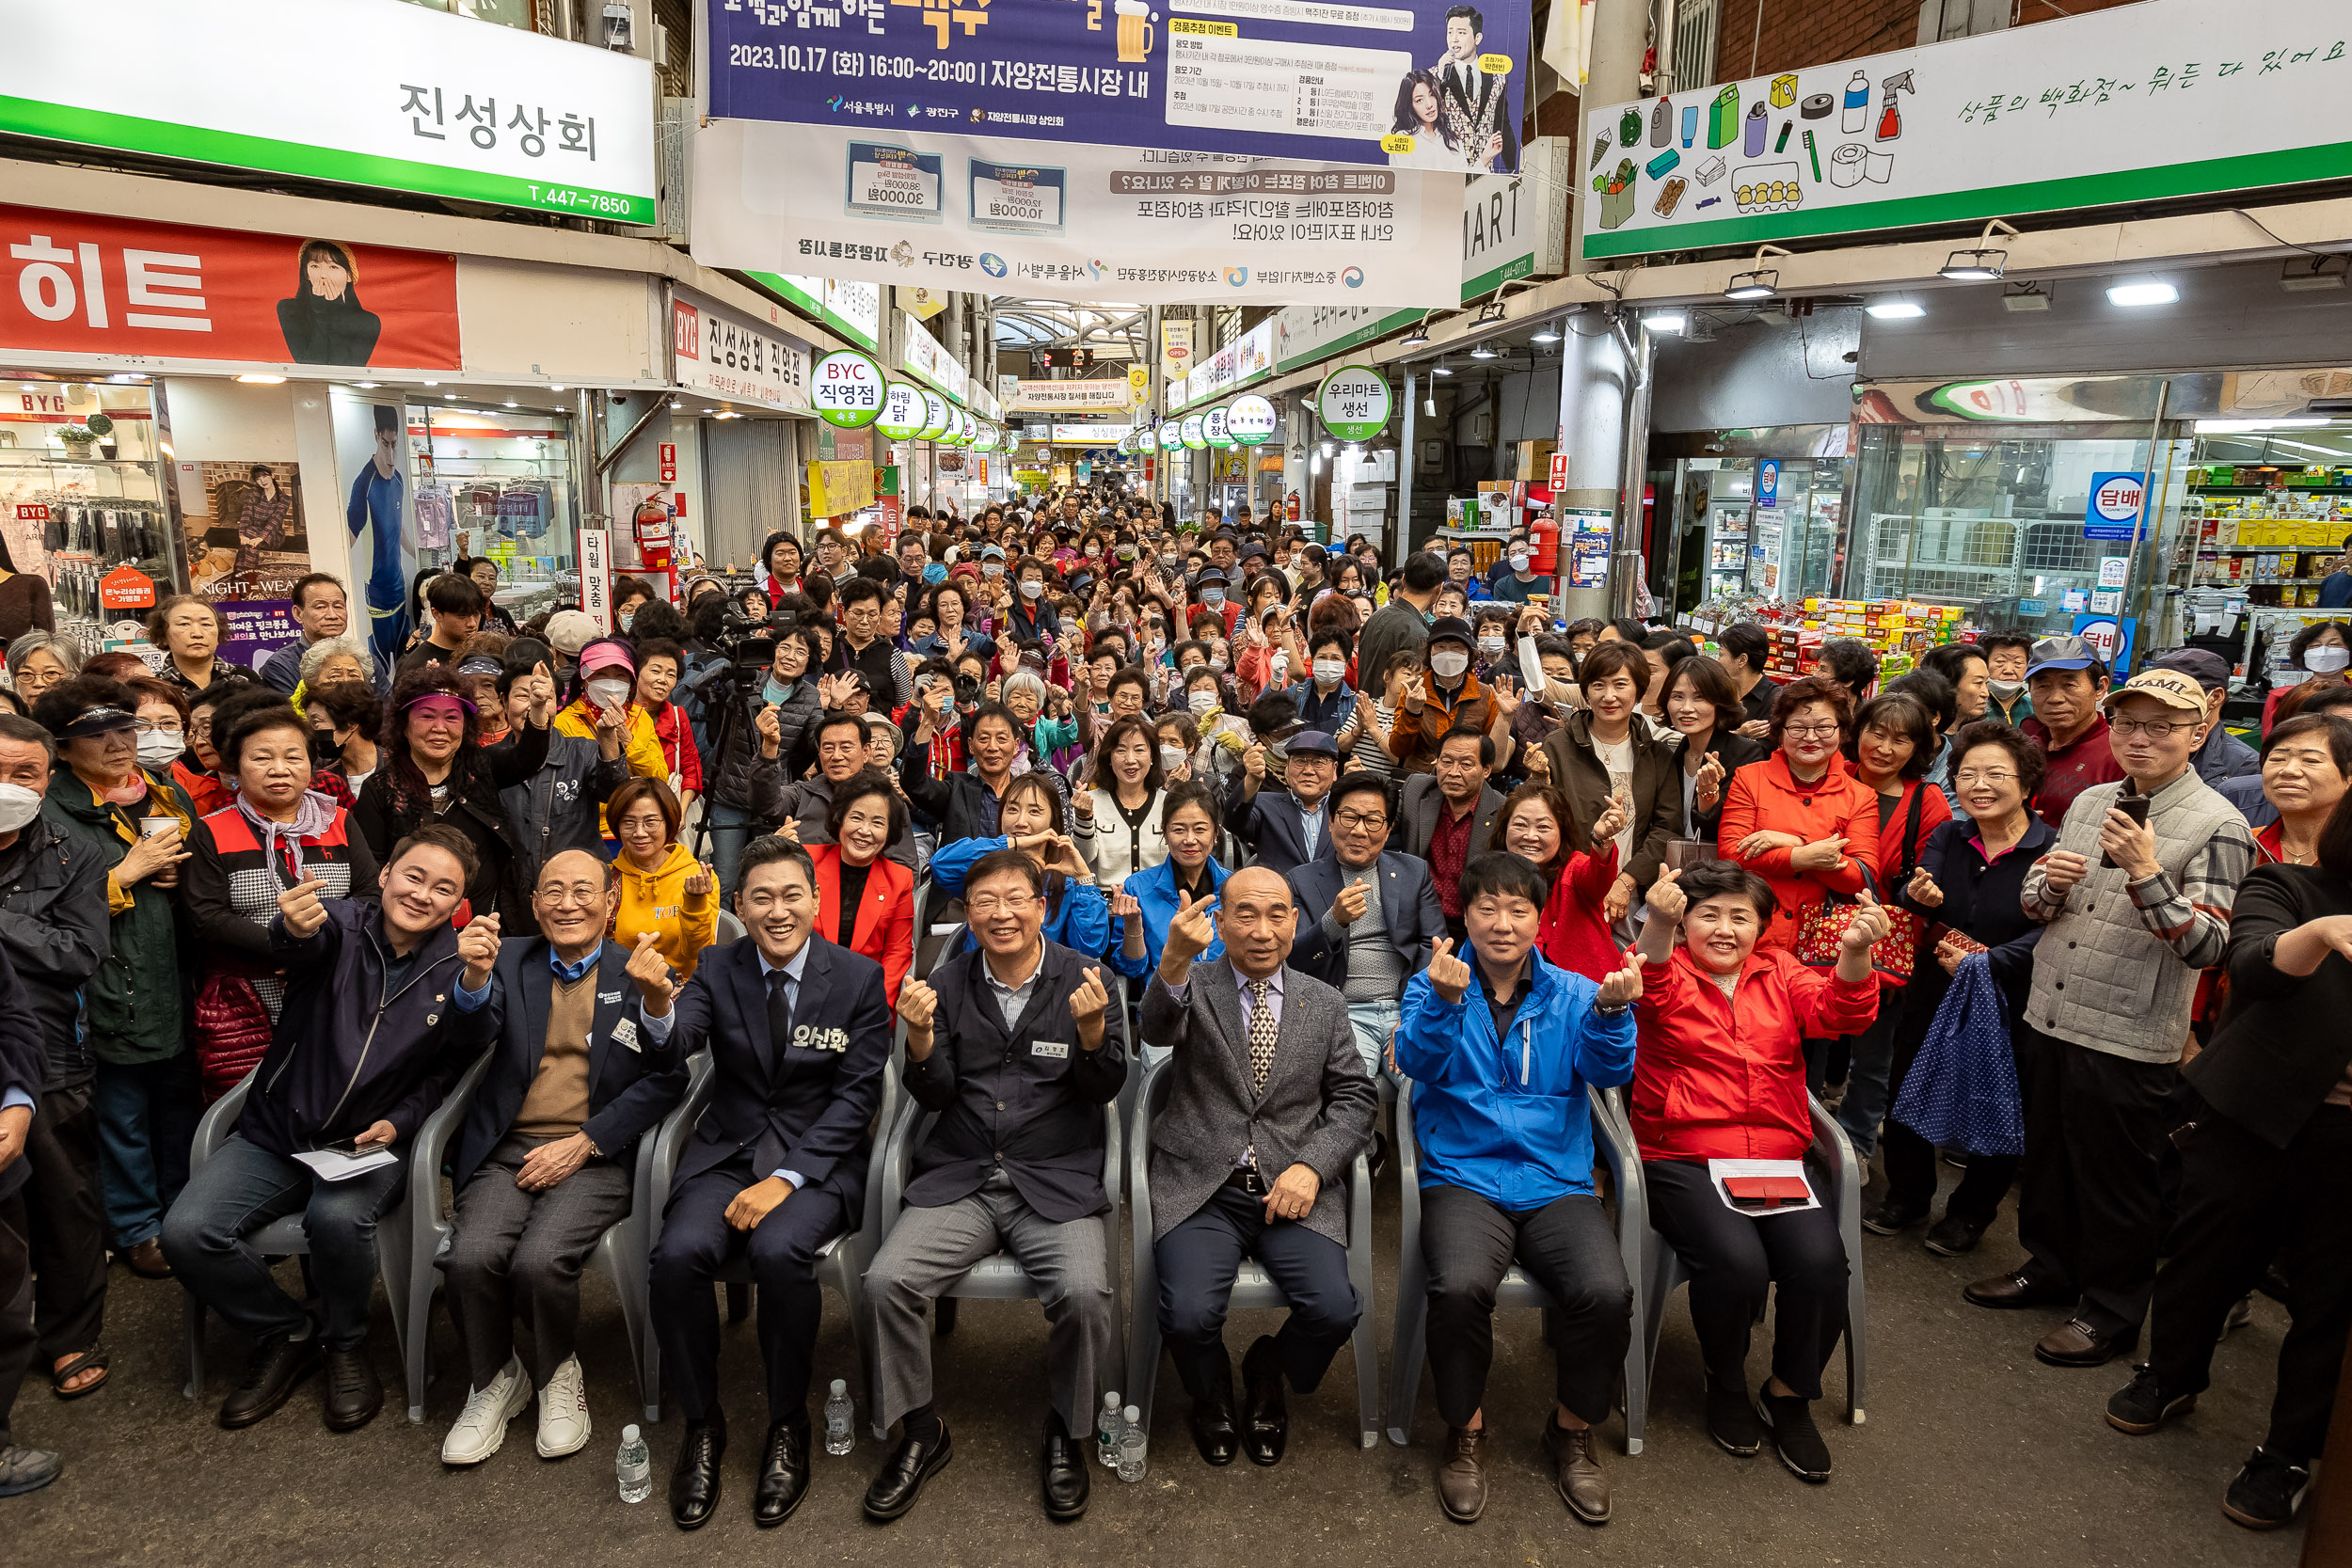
column 1544, row 534
column 651, row 528
column 1291, row 506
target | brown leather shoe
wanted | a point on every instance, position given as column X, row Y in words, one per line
column 2004, row 1291
column 1462, row 1475
column 147, row 1260
column 2075, row 1343
column 1575, row 1457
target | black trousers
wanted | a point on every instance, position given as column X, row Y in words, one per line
column 696, row 1243
column 1565, row 1246
column 2241, row 1202
column 1911, row 1159
column 16, row 1335
column 1734, row 1258
column 1198, row 1260
column 65, row 1211
column 2090, row 1213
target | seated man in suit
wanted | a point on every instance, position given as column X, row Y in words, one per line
column 1288, row 829
column 544, row 1163
column 1446, row 813
column 1499, row 1050
column 799, row 1034
column 1013, row 1046
column 1379, row 917
column 1269, row 1108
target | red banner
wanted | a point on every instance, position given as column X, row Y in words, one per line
column 75, row 283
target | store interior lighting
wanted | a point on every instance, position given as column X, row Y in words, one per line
column 2239, row 427
column 1441, row 368
column 1547, row 333
column 1483, row 352
column 2140, row 293
column 1760, row 284
column 1418, row 337
column 2309, row 275
column 1894, row 309
column 430, row 384
column 1982, row 264
column 1673, row 322
column 263, row 380
column 2016, row 297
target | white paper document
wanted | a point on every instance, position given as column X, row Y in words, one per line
column 327, row 1166
column 1716, row 1170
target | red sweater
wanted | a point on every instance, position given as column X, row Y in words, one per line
column 677, row 735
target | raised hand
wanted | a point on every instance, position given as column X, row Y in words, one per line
column 301, row 910
column 1087, row 1005
column 2062, row 869
column 917, row 1006
column 1707, row 785
column 770, row 726
column 651, row 972
column 1189, row 933
column 1351, row 904
column 1619, row 898
column 1922, row 889
column 699, row 887
column 1869, row 926
column 478, row 946
column 1624, row 986
column 1609, row 824
column 1665, row 899
column 1253, row 761
column 1448, row 976
column 1125, row 908
column 789, row 830
column 1539, row 762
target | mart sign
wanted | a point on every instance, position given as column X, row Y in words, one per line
column 360, row 92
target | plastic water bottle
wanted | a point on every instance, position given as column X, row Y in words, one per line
column 635, row 1466
column 1131, row 1443
column 1108, row 1429
column 840, row 1419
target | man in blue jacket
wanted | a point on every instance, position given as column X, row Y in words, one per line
column 1500, row 1051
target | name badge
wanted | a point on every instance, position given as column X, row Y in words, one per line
column 810, row 1038
column 1058, row 1050
column 625, row 1033
column 608, row 998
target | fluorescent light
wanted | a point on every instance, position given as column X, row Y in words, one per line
column 2018, row 297
column 677, row 402
column 449, row 396
column 1675, row 322
column 1483, row 352
column 2155, row 290
column 1415, row 338
column 1442, row 370
column 1975, row 266
column 430, row 384
column 559, row 387
column 261, row 380
column 514, row 405
column 367, row 386
column 1894, row 309
column 126, row 377
column 2300, row 277
column 1760, row 284
column 2233, row 427
column 1546, row 333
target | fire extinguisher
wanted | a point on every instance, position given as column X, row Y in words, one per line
column 651, row 528
column 1543, row 534
column 1291, row 506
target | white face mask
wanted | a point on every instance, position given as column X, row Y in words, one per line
column 1212, row 596
column 1449, row 663
column 1330, row 671
column 1172, row 758
column 1032, row 589
column 991, row 568
column 2008, row 691
column 1518, row 561
column 1215, row 663
column 607, row 693
column 1201, row 702
column 1490, row 647
column 627, row 616
column 160, row 748
column 17, row 806
column 2326, row 661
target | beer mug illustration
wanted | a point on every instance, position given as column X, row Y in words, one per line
column 1135, row 32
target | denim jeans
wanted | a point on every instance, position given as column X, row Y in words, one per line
column 1867, row 1072
column 147, row 1116
column 244, row 1187
column 730, row 830
column 1376, row 1025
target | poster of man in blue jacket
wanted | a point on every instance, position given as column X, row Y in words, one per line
column 379, row 502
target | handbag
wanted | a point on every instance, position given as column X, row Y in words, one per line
column 1962, row 1088
column 1822, row 931
column 232, row 1030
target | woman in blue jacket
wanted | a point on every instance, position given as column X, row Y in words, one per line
column 1188, row 817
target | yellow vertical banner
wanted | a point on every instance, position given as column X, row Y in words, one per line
column 834, row 488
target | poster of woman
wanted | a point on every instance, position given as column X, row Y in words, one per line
column 325, row 323
column 245, row 529
column 1420, row 114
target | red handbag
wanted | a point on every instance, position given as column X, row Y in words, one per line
column 1821, row 933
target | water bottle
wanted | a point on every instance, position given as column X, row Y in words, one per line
column 1131, row 1445
column 1108, row 1430
column 840, row 1419
column 634, row 1466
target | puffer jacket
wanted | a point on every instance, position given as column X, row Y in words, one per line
column 137, row 1004
column 732, row 772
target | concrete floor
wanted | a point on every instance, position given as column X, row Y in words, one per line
column 1972, row 1454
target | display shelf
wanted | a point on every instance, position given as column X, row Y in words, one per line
column 2269, row 489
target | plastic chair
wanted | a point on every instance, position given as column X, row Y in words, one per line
column 1662, row 1268
column 1252, row 1288
column 284, row 1238
column 730, row 930
column 1613, row 1142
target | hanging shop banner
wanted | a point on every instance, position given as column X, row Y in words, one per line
column 1354, row 402
column 1090, row 434
column 834, row 488
column 903, row 412
column 2142, row 103
column 1070, row 397
column 1152, row 227
column 1175, row 354
column 1214, row 429
column 1190, row 433
column 1172, row 435
column 1251, row 420
column 78, row 285
column 1429, row 86
column 937, row 417
column 715, row 354
column 1245, row 359
column 847, row 390
column 244, row 528
column 928, row 360
column 386, row 97
column 848, row 306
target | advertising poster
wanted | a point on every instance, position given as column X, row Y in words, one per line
column 377, row 514
column 1419, row 86
column 257, row 628
column 246, row 533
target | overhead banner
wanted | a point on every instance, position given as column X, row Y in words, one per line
column 949, row 211
column 2142, row 103
column 1426, row 85
column 1053, row 397
column 714, row 354
column 385, row 96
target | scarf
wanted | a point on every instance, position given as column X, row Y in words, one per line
column 313, row 815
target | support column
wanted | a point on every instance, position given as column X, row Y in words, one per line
column 1592, row 395
column 1401, row 527
column 1625, row 555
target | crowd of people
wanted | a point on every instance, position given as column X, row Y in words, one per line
column 1314, row 837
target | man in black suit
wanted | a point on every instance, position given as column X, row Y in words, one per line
column 1468, row 90
column 799, row 1033
column 1287, row 831
column 1013, row 1047
column 1378, row 914
column 544, row 1161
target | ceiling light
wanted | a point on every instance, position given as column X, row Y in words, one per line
column 367, row 386
column 1442, row 370
column 1666, row 320
column 449, row 396
column 2137, row 295
column 2025, row 297
column 432, row 384
column 677, row 402
column 1896, row 309
column 1975, row 266
column 261, row 380
column 2234, row 427
column 1483, row 352
column 559, row 387
column 2302, row 277
column 126, row 377
column 1547, row 333
column 1760, row 284
column 1417, row 337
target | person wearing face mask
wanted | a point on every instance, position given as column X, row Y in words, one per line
column 1324, row 700
column 1495, row 655
column 1516, row 581
column 1031, row 615
column 1209, row 592
column 2321, row 649
column 2008, row 655
column 1450, row 698
column 1224, row 735
column 604, row 690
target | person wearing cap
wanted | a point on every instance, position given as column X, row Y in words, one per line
column 2133, row 910
column 2067, row 682
column 1287, row 830
column 567, row 632
column 2223, row 755
column 603, row 697
column 1210, row 592
column 1447, row 698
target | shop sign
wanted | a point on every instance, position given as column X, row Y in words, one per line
column 1172, row 435
column 850, row 307
column 903, row 412
column 353, row 92
column 1767, row 481
column 847, row 390
column 75, row 284
column 1139, row 381
column 1191, row 432
column 1175, row 354
column 721, row 357
column 834, row 488
column 1087, row 434
column 596, row 575
column 2113, row 509
column 923, row 355
column 2145, row 104
column 1057, row 397
column 1214, row 428
column 126, row 588
column 1245, row 358
column 1354, row 402
column 2109, row 637
column 1251, row 420
column 937, row 417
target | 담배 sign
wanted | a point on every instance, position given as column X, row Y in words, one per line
column 2109, row 637
column 2113, row 509
column 1251, row 420
column 1354, row 402
column 846, row 387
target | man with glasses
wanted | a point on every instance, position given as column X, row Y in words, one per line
column 1380, row 914
column 2138, row 897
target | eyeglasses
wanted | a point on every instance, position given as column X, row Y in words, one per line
column 1809, row 731
column 1363, row 821
column 161, row 727
column 1018, row 903
column 583, row 896
column 1996, row 776
column 200, row 728
column 2155, row 729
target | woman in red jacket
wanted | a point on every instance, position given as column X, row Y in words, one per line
column 1798, row 818
column 1536, row 825
column 865, row 899
column 1719, row 1075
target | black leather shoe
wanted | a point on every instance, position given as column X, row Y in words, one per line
column 782, row 1474
column 900, row 1480
column 278, row 1364
column 695, row 1480
column 1065, row 1478
column 354, row 1393
column 1266, row 1423
column 1212, row 1431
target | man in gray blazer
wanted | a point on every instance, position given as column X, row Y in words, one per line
column 1380, row 915
column 1269, row 1108
column 1446, row 815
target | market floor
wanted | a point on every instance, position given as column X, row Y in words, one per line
column 1972, row 1454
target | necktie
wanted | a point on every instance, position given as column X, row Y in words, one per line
column 1263, row 1029
column 779, row 1010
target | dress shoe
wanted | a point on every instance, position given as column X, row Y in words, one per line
column 782, row 1473
column 278, row 1364
column 2075, row 1343
column 146, row 1259
column 1954, row 1234
column 1462, row 1475
column 1576, row 1470
column 2007, row 1291
column 1265, row 1422
column 354, row 1393
column 695, row 1480
column 902, row 1475
column 1065, row 1465
column 1212, row 1429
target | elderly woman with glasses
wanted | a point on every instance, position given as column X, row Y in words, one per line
column 39, row 660
column 1800, row 819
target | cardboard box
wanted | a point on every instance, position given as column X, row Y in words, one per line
column 1536, row 461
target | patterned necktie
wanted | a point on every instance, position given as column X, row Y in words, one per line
column 1263, row 1029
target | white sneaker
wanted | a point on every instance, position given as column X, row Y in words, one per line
column 482, row 1425
column 564, row 1412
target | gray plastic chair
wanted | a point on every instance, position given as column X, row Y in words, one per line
column 730, row 930
column 284, row 1238
column 1661, row 1269
column 1613, row 1143
column 1252, row 1288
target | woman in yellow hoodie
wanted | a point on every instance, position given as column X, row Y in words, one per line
column 662, row 889
column 601, row 703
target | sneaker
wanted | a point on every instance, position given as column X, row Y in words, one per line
column 1890, row 1216
column 2266, row 1491
column 1953, row 1235
column 482, row 1425
column 1795, row 1438
column 564, row 1412
column 1731, row 1421
column 2139, row 1406
column 24, row 1470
